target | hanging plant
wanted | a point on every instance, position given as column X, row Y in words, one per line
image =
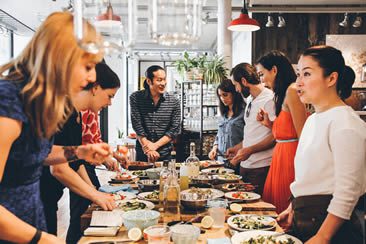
column 215, row 70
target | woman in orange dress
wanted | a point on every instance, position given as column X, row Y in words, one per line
column 275, row 70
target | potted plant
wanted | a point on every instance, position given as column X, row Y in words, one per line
column 211, row 70
column 215, row 70
column 191, row 68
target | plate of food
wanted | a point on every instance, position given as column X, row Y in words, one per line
column 122, row 177
column 129, row 205
column 229, row 177
column 226, row 187
column 123, row 195
column 152, row 196
column 261, row 236
column 210, row 163
column 139, row 173
column 242, row 196
column 245, row 222
column 217, row 171
column 139, row 165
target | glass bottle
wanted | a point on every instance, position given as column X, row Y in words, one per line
column 171, row 194
column 192, row 162
column 162, row 180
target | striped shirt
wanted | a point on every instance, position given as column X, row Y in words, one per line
column 155, row 121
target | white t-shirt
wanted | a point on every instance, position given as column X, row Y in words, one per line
column 331, row 159
column 254, row 131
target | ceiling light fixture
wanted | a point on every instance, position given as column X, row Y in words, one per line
column 108, row 15
column 270, row 21
column 281, row 21
column 244, row 22
column 344, row 23
column 358, row 21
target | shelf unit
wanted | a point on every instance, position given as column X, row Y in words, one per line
column 197, row 111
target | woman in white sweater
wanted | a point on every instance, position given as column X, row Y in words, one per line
column 330, row 161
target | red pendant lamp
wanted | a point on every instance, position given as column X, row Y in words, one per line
column 244, row 22
column 108, row 15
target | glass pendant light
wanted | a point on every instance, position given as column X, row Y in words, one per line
column 115, row 20
column 175, row 22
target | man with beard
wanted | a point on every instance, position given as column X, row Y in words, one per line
column 254, row 153
column 155, row 116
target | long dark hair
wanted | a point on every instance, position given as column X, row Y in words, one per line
column 238, row 103
column 149, row 74
column 331, row 60
column 106, row 78
column 284, row 78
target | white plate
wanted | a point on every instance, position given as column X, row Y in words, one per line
column 251, row 218
column 210, row 163
column 143, row 195
column 213, row 171
column 238, row 177
column 240, row 237
column 129, row 179
column 127, row 195
column 251, row 196
column 149, row 205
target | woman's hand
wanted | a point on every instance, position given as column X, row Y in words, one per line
column 262, row 117
column 213, row 153
column 104, row 200
column 285, row 218
column 95, row 154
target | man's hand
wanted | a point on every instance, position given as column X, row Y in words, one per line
column 121, row 159
column 150, row 146
column 95, row 154
column 153, row 156
column 231, row 152
column 242, row 155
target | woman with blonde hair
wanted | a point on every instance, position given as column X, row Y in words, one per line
column 36, row 98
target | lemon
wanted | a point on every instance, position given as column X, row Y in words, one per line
column 207, row 222
column 236, row 208
column 134, row 234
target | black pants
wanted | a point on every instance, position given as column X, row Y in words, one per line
column 51, row 192
column 310, row 213
column 78, row 206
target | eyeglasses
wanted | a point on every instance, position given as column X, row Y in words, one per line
column 248, row 109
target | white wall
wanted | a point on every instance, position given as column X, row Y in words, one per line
column 117, row 111
column 242, row 47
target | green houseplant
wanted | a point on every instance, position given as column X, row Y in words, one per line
column 211, row 69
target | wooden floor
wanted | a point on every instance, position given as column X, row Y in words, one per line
column 63, row 213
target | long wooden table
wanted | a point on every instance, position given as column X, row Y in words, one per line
column 258, row 207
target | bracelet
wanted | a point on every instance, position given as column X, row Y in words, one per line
column 36, row 237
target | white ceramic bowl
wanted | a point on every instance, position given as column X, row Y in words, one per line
column 140, row 219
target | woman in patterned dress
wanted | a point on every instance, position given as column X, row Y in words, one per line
column 36, row 97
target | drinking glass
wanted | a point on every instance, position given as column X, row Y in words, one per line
column 158, row 234
column 217, row 210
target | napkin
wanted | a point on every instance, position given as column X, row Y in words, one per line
column 113, row 189
column 224, row 240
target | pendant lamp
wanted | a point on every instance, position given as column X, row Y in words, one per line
column 244, row 22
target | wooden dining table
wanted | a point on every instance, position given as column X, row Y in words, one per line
column 258, row 208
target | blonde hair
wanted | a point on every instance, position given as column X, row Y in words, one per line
column 45, row 66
